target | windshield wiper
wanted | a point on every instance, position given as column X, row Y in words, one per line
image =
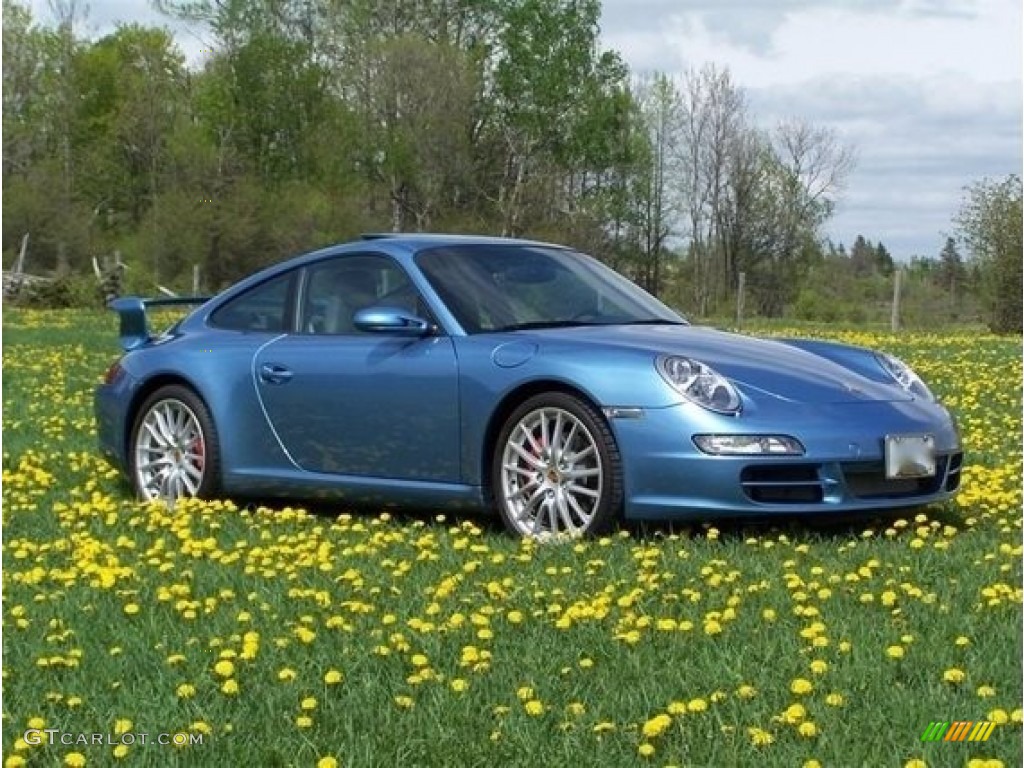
column 655, row 321
column 547, row 324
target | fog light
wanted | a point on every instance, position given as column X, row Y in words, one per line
column 749, row 445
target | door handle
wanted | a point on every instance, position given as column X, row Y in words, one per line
column 272, row 373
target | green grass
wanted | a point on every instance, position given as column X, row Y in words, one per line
column 458, row 646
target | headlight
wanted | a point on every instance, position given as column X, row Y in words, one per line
column 904, row 375
column 749, row 445
column 699, row 383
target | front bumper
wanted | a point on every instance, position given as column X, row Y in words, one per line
column 842, row 470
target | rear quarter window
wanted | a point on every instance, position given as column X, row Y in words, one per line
column 263, row 308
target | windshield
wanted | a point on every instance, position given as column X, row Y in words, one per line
column 514, row 287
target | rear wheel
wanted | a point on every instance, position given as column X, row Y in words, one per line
column 174, row 450
column 556, row 469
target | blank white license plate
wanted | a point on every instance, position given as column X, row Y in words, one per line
column 909, row 456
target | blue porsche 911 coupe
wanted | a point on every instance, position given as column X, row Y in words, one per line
column 469, row 372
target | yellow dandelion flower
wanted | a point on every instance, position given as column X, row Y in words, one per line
column 954, row 675
column 801, row 687
column 534, row 708
column 794, row 714
column 713, row 628
column 656, row 726
column 808, row 730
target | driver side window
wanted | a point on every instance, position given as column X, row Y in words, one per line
column 338, row 288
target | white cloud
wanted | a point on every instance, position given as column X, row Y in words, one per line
column 901, row 43
column 929, row 91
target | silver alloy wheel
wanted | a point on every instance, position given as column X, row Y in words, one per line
column 551, row 474
column 170, row 452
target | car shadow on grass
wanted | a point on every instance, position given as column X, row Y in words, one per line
column 796, row 525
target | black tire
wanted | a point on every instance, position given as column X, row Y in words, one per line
column 175, row 398
column 540, row 488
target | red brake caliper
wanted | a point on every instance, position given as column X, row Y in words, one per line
column 200, row 450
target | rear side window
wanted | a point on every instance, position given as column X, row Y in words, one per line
column 262, row 308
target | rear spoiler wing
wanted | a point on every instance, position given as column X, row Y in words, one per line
column 132, row 312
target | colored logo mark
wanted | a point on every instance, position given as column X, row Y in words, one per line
column 961, row 730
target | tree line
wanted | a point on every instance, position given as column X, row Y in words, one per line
column 310, row 121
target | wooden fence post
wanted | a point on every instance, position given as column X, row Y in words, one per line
column 897, row 279
column 740, row 290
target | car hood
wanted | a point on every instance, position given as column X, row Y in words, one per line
column 758, row 367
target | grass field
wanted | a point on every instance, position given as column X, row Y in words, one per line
column 279, row 637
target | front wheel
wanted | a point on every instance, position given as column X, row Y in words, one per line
column 556, row 469
column 174, row 451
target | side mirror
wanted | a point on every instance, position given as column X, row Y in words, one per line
column 392, row 321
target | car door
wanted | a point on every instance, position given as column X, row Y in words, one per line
column 343, row 401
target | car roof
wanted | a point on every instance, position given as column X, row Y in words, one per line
column 421, row 239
